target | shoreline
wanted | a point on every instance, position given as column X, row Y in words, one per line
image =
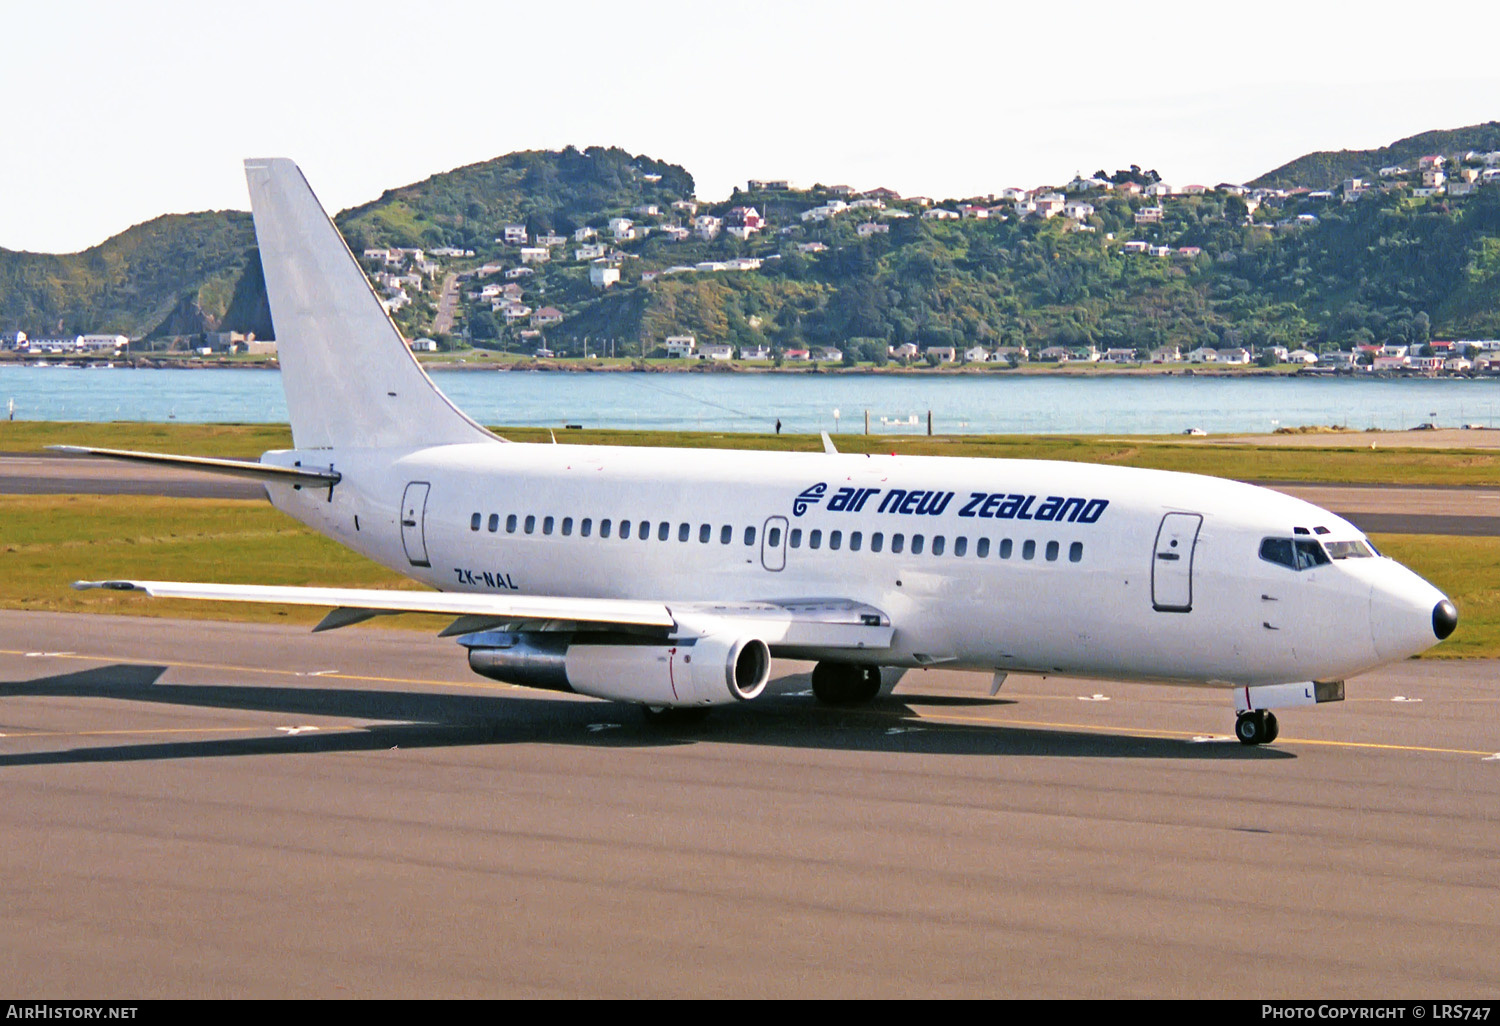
column 531, row 365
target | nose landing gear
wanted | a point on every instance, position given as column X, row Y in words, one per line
column 1256, row 727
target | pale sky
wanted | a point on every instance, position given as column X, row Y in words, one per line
column 116, row 112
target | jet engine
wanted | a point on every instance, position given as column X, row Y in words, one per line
column 701, row 671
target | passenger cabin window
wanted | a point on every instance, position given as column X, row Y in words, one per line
column 794, row 538
column 547, row 525
column 814, row 539
column 494, row 523
column 530, row 524
column 1075, row 552
column 510, row 524
column 877, row 541
column 683, row 530
column 474, row 521
column 856, row 538
column 1028, row 549
column 663, row 531
column 705, row 533
column 567, row 526
column 982, row 548
column 916, row 544
column 624, row 528
column 587, row 527
column 938, row 545
column 1052, row 548
column 773, row 536
column 960, row 546
column 898, row 542
column 835, row 539
column 604, row 528
column 1004, row 548
column 726, row 535
column 750, row 537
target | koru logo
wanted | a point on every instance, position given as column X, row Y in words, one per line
column 809, row 497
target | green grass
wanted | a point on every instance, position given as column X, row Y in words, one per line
column 1467, row 570
column 50, row 541
column 1341, row 460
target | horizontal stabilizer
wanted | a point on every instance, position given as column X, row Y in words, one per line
column 209, row 465
column 622, row 612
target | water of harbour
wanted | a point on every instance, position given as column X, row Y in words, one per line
column 803, row 402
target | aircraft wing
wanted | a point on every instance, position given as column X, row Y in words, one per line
column 784, row 624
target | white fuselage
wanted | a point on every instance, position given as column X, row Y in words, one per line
column 1022, row 565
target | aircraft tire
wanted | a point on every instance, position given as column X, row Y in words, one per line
column 673, row 716
column 845, row 683
column 1250, row 727
column 1273, row 729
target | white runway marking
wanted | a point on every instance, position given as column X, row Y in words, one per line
column 1093, row 698
column 1403, row 698
column 317, row 673
column 595, row 728
column 43, row 655
column 297, row 730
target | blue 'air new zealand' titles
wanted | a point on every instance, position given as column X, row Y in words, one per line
column 670, row 578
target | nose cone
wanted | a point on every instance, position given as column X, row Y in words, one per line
column 1407, row 615
column 1444, row 619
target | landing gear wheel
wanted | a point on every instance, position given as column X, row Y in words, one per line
column 845, row 683
column 1256, row 727
column 673, row 716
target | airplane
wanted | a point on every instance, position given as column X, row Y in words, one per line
column 670, row 578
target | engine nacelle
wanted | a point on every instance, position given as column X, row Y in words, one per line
column 692, row 672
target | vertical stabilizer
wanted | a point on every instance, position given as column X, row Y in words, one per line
column 350, row 379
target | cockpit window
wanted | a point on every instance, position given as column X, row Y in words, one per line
column 1278, row 551
column 1293, row 553
column 1347, row 550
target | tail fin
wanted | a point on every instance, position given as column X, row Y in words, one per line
column 349, row 378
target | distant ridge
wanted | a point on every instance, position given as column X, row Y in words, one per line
column 1326, row 168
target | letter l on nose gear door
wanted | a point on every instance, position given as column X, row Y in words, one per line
column 1172, row 563
column 414, row 522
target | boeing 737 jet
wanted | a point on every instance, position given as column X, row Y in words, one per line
column 670, row 578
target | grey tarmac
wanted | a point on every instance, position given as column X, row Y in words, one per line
column 227, row 810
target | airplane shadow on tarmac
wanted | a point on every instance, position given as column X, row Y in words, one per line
column 786, row 717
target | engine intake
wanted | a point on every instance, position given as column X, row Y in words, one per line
column 701, row 671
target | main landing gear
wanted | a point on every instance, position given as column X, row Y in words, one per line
column 1256, row 727
column 845, row 683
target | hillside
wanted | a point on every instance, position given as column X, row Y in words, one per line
column 1327, row 168
column 547, row 191
column 1396, row 262
column 174, row 273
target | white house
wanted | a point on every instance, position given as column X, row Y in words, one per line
column 716, row 351
column 1203, row 354
column 1079, row 210
column 602, row 275
column 1149, row 215
column 535, row 254
column 423, row 345
column 944, row 354
column 680, row 347
column 976, row 354
column 513, row 235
